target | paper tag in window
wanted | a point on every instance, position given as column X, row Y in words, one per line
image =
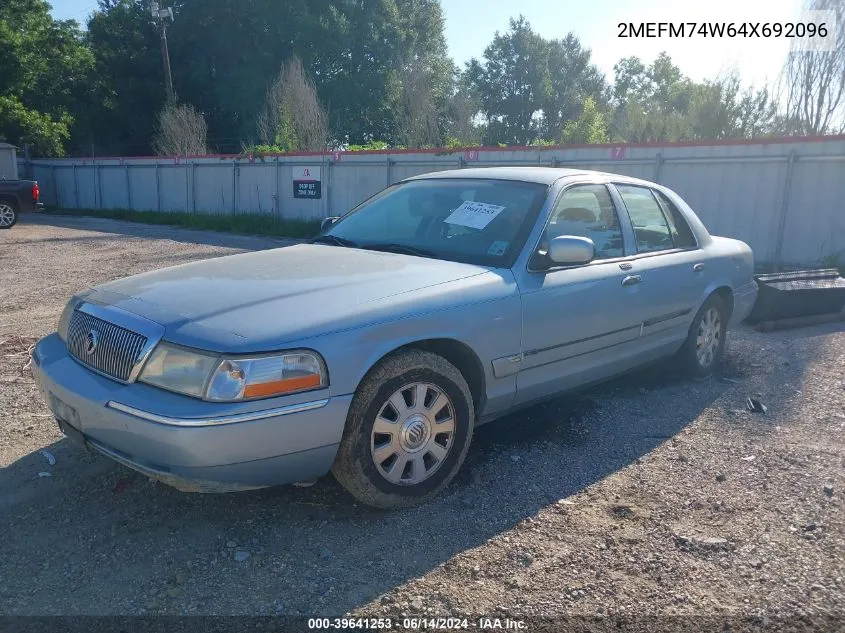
column 497, row 249
column 475, row 215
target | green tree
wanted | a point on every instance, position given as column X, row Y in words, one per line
column 512, row 83
column 658, row 103
column 44, row 68
column 573, row 79
column 590, row 127
column 128, row 83
column 223, row 54
column 529, row 86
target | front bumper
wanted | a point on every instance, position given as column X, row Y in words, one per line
column 187, row 443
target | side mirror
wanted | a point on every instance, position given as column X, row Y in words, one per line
column 572, row 250
column 328, row 222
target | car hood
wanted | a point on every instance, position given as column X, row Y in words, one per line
column 279, row 295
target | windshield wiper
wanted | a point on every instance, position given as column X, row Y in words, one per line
column 333, row 240
column 391, row 247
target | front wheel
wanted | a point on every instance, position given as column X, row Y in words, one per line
column 8, row 214
column 705, row 344
column 407, row 432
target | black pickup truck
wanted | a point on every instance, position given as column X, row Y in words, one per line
column 16, row 197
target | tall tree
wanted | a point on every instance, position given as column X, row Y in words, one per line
column 529, row 86
column 358, row 63
column 590, row 126
column 44, row 68
column 573, row 80
column 293, row 119
column 512, row 82
column 814, row 81
column 129, row 80
column 658, row 103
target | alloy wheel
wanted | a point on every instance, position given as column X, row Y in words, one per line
column 709, row 337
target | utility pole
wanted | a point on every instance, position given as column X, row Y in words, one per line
column 161, row 17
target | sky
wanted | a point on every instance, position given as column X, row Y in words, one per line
column 471, row 24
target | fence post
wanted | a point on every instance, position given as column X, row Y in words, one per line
column 784, row 208
column 234, row 187
column 658, row 166
column 328, row 181
column 75, row 190
column 388, row 171
column 98, row 192
column 193, row 186
column 56, row 197
column 276, row 173
column 158, row 189
column 128, row 186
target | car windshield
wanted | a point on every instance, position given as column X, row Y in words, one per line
column 477, row 221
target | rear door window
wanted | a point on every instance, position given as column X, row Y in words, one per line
column 682, row 234
column 651, row 227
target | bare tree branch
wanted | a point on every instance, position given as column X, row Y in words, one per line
column 293, row 117
column 182, row 131
column 814, row 82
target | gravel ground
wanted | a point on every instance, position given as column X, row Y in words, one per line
column 647, row 496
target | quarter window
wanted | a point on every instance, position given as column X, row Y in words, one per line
column 682, row 234
column 650, row 225
column 587, row 211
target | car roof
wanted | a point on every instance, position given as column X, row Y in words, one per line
column 541, row 175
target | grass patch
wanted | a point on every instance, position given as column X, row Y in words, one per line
column 246, row 223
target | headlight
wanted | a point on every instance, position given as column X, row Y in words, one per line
column 227, row 379
column 64, row 320
column 179, row 369
column 264, row 376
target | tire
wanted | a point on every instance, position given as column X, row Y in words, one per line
column 702, row 352
column 402, row 467
column 8, row 214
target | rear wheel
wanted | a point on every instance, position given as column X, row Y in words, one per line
column 705, row 344
column 407, row 432
column 8, row 214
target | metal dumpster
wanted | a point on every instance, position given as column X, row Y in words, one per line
column 798, row 293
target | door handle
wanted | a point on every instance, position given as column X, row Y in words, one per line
column 630, row 280
column 698, row 267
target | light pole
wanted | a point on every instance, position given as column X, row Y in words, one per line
column 161, row 17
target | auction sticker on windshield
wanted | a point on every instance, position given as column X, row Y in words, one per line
column 475, row 215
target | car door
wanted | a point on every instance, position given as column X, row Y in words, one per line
column 577, row 320
column 669, row 264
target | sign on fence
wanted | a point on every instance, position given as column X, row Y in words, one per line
column 306, row 183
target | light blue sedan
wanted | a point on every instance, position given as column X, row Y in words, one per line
column 443, row 302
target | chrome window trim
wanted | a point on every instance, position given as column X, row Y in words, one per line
column 217, row 421
column 112, row 314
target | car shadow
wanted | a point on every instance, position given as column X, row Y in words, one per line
column 126, row 544
column 154, row 231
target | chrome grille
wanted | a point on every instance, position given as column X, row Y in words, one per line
column 115, row 349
